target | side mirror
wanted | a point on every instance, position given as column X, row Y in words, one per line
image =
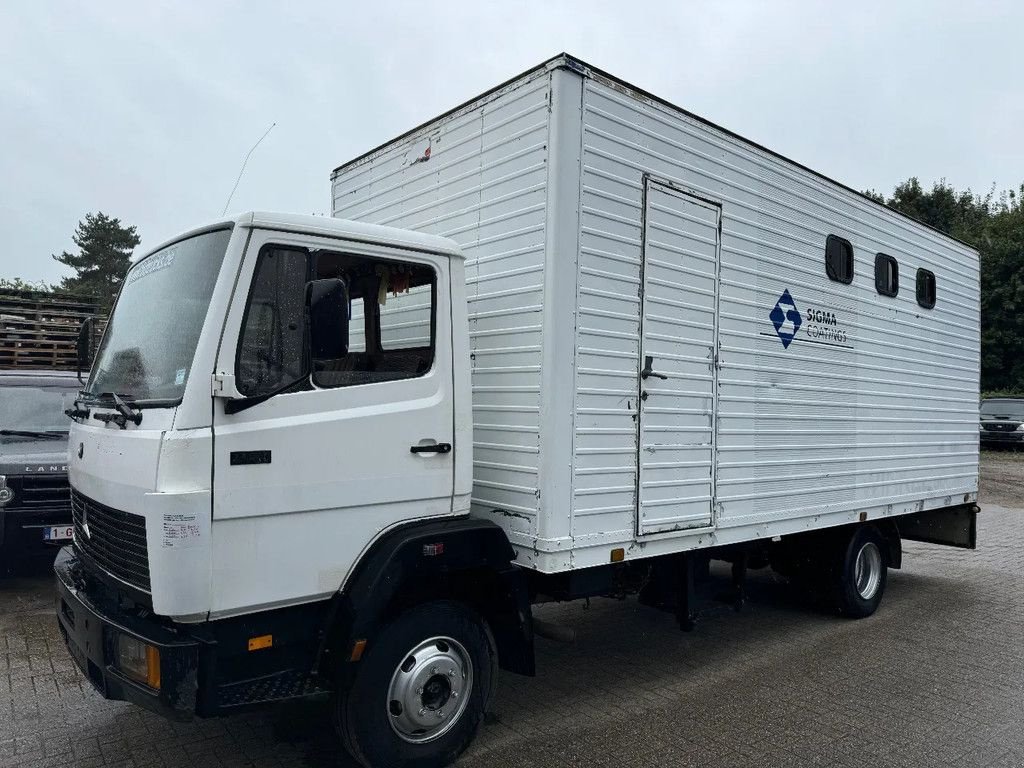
column 327, row 305
column 84, row 346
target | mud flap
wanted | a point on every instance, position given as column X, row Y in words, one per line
column 950, row 526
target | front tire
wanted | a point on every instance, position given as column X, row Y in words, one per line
column 419, row 694
column 862, row 570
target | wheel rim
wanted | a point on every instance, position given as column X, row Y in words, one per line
column 868, row 570
column 430, row 690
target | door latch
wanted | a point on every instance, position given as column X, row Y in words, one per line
column 434, row 448
column 648, row 372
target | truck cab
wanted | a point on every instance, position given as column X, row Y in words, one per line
column 243, row 434
column 277, row 417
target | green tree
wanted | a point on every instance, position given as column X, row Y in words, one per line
column 105, row 247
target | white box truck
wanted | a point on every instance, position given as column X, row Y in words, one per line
column 566, row 340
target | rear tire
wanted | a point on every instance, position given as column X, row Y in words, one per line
column 420, row 690
column 862, row 568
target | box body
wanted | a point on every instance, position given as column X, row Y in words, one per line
column 603, row 226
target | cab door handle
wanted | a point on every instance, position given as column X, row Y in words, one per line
column 434, row 448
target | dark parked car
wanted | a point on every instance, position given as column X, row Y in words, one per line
column 35, row 500
column 1002, row 421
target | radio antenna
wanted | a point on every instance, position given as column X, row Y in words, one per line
column 240, row 172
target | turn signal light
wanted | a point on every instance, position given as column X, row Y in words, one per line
column 138, row 661
column 357, row 650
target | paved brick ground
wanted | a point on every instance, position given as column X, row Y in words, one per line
column 935, row 678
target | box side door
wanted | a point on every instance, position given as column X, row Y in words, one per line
column 678, row 363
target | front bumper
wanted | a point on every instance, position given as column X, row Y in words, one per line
column 90, row 620
column 21, row 537
column 993, row 437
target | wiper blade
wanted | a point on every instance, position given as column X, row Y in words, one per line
column 125, row 412
column 76, row 412
column 42, row 434
column 130, row 412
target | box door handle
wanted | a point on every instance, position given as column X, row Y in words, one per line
column 435, row 448
column 647, row 372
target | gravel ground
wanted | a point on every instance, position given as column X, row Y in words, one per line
column 933, row 679
column 1002, row 477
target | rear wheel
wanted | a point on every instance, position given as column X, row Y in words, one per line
column 862, row 570
column 419, row 694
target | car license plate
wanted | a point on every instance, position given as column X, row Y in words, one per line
column 58, row 533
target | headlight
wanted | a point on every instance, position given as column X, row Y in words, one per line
column 1020, row 427
column 6, row 494
column 138, row 661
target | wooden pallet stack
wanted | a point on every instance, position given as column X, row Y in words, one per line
column 39, row 329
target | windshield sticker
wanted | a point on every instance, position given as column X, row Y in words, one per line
column 180, row 530
column 179, row 377
column 153, row 264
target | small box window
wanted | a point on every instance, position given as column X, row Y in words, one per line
column 926, row 288
column 839, row 259
column 887, row 275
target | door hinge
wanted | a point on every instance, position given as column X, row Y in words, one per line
column 223, row 385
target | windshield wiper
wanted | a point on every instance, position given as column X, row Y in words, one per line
column 76, row 412
column 40, row 434
column 125, row 412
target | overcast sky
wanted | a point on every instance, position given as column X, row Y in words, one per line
column 145, row 110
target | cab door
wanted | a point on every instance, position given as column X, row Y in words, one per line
column 306, row 479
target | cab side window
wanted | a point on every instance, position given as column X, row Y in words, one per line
column 391, row 320
column 271, row 348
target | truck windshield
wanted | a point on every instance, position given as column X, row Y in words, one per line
column 151, row 338
column 34, row 408
column 1006, row 409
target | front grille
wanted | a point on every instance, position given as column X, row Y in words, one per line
column 46, row 491
column 42, row 494
column 1004, row 427
column 115, row 541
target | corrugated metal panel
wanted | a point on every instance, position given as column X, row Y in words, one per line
column 479, row 177
column 870, row 405
column 873, row 402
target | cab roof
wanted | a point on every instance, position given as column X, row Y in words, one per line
column 325, row 226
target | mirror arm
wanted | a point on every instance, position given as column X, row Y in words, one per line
column 84, row 344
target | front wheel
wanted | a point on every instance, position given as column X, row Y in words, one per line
column 861, row 575
column 419, row 694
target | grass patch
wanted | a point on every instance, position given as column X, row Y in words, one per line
column 1009, row 454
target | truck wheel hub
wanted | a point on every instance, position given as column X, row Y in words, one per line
column 429, row 690
column 868, row 570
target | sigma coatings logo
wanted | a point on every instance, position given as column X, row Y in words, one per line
column 823, row 326
column 815, row 324
column 786, row 319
